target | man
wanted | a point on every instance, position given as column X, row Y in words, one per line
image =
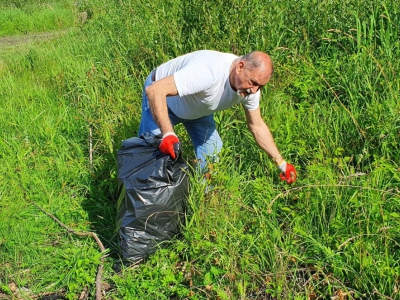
column 191, row 88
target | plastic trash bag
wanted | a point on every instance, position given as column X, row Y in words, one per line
column 153, row 198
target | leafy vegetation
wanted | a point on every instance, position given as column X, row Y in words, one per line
column 332, row 105
column 26, row 16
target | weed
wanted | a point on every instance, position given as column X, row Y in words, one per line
column 333, row 108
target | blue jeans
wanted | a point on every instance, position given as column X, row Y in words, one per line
column 203, row 133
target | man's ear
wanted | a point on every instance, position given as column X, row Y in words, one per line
column 239, row 67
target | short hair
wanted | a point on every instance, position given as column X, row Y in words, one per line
column 253, row 61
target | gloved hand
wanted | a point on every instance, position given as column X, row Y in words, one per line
column 288, row 172
column 167, row 144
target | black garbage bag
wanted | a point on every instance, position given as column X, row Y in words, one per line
column 153, row 198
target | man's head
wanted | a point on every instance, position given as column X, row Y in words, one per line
column 251, row 72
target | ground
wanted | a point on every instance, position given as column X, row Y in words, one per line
column 8, row 42
column 11, row 44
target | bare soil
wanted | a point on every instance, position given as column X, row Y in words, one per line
column 20, row 40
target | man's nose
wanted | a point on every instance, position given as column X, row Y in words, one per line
column 254, row 89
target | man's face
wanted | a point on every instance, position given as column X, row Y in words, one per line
column 248, row 81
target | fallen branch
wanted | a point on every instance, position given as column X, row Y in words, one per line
column 269, row 209
column 382, row 295
column 82, row 234
column 90, row 148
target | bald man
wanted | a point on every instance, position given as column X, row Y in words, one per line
column 189, row 89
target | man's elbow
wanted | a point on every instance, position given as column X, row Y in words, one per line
column 259, row 129
column 252, row 128
column 149, row 90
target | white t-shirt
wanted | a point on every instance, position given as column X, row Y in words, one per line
column 202, row 80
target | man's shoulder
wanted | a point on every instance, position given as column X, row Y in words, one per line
column 205, row 62
column 213, row 54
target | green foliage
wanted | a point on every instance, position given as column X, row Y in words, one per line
column 82, row 268
column 333, row 107
column 23, row 17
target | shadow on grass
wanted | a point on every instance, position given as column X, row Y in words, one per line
column 101, row 202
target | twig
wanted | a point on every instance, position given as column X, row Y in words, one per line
column 92, row 234
column 160, row 212
column 347, row 241
column 353, row 175
column 380, row 294
column 269, row 209
column 90, row 140
column 82, row 234
column 90, row 148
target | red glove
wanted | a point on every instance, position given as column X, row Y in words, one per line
column 288, row 172
column 167, row 144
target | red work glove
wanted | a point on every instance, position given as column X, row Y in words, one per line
column 288, row 172
column 167, row 144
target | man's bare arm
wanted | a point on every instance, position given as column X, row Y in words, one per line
column 262, row 134
column 157, row 94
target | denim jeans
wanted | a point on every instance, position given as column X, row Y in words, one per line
column 203, row 133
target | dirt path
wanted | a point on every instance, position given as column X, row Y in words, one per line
column 20, row 40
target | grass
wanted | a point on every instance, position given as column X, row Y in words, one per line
column 23, row 17
column 333, row 107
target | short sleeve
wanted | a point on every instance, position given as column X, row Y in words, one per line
column 193, row 79
column 252, row 102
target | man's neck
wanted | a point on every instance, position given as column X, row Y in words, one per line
column 232, row 73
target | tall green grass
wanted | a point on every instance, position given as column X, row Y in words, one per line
column 23, row 17
column 333, row 107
